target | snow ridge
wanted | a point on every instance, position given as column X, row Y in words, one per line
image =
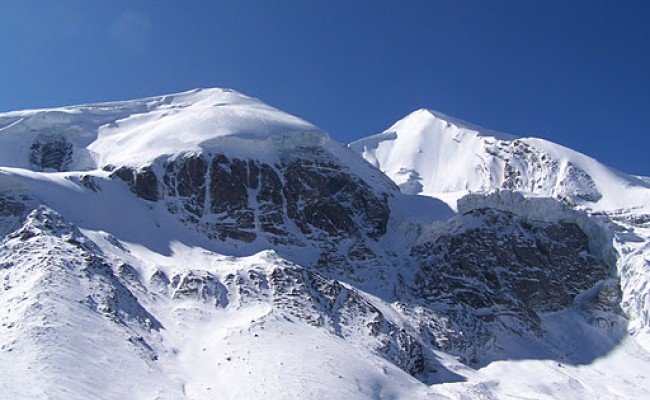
column 431, row 154
column 136, row 132
column 208, row 245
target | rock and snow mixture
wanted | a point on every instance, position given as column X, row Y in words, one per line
column 205, row 245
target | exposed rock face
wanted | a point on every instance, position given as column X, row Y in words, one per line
column 199, row 285
column 186, row 179
column 322, row 196
column 51, row 152
column 542, row 266
column 142, row 182
column 491, row 267
column 229, row 184
column 10, row 206
column 146, row 184
column 13, row 209
column 232, row 198
column 473, row 278
column 529, row 169
column 212, row 193
column 271, row 202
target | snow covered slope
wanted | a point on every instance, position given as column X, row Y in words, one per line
column 431, row 154
column 205, row 245
column 136, row 132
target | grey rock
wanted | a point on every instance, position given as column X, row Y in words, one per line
column 51, row 152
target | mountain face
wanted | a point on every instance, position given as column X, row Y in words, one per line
column 431, row 154
column 204, row 244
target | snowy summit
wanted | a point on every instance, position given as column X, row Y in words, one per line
column 206, row 245
column 138, row 131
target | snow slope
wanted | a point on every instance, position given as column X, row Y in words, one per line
column 431, row 154
column 205, row 245
column 136, row 132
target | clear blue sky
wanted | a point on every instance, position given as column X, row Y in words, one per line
column 575, row 72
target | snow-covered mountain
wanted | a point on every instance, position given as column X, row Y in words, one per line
column 432, row 154
column 205, row 245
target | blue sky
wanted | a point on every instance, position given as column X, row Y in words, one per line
column 574, row 72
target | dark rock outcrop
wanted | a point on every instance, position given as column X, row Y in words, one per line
column 199, row 285
column 510, row 261
column 488, row 272
column 51, row 152
column 496, row 267
column 326, row 197
column 232, row 198
column 143, row 182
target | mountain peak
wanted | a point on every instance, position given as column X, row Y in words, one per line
column 137, row 131
column 437, row 122
column 430, row 153
column 280, row 263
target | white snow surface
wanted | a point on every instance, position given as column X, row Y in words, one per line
column 248, row 350
column 431, row 154
column 243, row 351
column 136, row 132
